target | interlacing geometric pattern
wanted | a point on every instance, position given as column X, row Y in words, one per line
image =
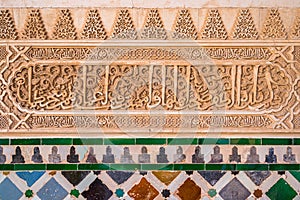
column 153, row 185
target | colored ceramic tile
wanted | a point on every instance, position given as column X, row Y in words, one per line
column 165, row 177
column 119, row 176
column 234, row 190
column 97, row 190
column 52, row 190
column 189, row 190
column 8, row 190
column 281, row 190
column 151, row 141
column 143, row 189
column 57, row 141
column 245, row 141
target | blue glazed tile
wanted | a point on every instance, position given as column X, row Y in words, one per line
column 30, row 177
column 52, row 190
column 8, row 191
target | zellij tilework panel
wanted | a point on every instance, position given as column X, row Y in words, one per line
column 146, row 103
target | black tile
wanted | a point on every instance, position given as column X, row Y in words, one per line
column 212, row 176
column 75, row 177
column 97, row 191
column 119, row 176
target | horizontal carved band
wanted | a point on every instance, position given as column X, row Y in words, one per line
column 184, row 24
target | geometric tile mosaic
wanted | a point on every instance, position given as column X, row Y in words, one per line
column 173, row 180
column 138, row 186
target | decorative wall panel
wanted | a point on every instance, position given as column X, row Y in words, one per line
column 185, row 75
column 150, row 103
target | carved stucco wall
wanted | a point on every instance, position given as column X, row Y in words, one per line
column 115, row 69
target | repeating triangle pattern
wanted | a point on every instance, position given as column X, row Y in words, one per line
column 123, row 27
column 184, row 26
column 64, row 27
column 93, row 28
column 273, row 26
column 296, row 29
column 34, row 26
column 153, row 28
column 244, row 26
column 214, row 27
column 7, row 26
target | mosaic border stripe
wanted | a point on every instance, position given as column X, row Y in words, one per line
column 150, row 141
column 150, row 167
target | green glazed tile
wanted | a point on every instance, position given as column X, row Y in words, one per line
column 212, row 192
column 124, row 166
column 151, row 141
column 75, row 193
column 29, row 167
column 28, row 193
column 63, row 167
column 182, row 141
column 220, row 166
column 285, row 167
column 4, row 141
column 57, row 141
column 188, row 166
column 31, row 141
column 296, row 174
column 166, row 166
column 254, row 167
column 119, row 141
column 93, row 167
column 245, row 141
column 296, row 141
column 205, row 141
column 88, row 141
column 8, row 167
column 277, row 141
column 281, row 190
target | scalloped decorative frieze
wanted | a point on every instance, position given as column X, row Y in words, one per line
column 125, row 24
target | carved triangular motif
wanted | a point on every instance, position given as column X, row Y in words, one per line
column 7, row 26
column 93, row 28
column 34, row 26
column 214, row 27
column 64, row 27
column 153, row 28
column 184, row 26
column 123, row 27
column 296, row 29
column 273, row 26
column 244, row 26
